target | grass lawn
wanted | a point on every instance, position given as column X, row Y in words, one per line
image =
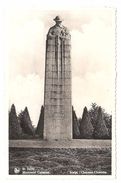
column 60, row 161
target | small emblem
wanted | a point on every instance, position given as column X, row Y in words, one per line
column 17, row 170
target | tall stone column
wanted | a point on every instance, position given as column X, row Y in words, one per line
column 57, row 91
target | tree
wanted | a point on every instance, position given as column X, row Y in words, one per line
column 108, row 122
column 76, row 131
column 86, row 128
column 93, row 112
column 15, row 130
column 26, row 123
column 100, row 131
column 40, row 126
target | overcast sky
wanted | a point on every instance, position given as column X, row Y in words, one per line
column 93, row 57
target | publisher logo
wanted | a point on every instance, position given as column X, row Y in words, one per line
column 17, row 170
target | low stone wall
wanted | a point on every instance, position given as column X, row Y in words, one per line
column 75, row 143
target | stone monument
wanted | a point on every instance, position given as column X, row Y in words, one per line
column 57, row 91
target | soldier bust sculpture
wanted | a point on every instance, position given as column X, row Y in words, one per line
column 58, row 29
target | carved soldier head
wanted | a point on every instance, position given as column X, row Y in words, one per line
column 58, row 20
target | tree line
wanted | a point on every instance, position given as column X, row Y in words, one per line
column 94, row 124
